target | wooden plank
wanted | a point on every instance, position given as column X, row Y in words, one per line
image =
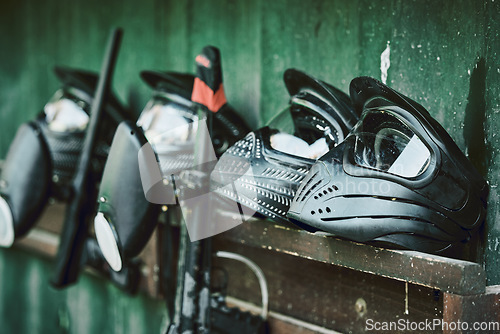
column 40, row 241
column 51, row 218
column 322, row 294
column 280, row 323
column 472, row 314
column 446, row 274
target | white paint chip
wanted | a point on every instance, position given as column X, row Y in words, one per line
column 385, row 62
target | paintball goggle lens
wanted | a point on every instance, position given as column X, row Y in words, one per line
column 66, row 113
column 383, row 142
column 166, row 122
column 297, row 132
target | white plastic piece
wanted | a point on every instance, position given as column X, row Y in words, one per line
column 65, row 115
column 6, row 224
column 106, row 238
column 318, row 149
column 289, row 144
column 293, row 145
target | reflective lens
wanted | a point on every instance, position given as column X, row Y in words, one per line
column 299, row 133
column 167, row 123
column 6, row 224
column 106, row 238
column 65, row 113
column 385, row 143
column 293, row 145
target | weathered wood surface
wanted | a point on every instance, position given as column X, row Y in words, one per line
column 481, row 311
column 456, row 276
column 326, row 295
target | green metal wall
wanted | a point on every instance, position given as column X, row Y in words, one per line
column 443, row 54
column 29, row 305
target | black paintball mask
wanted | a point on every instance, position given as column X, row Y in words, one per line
column 263, row 171
column 165, row 132
column 398, row 179
column 42, row 159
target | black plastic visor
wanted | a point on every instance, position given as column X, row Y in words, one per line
column 384, row 142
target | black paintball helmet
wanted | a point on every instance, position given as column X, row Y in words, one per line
column 263, row 170
column 44, row 154
column 398, row 179
column 126, row 217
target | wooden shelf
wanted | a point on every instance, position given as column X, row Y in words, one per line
column 445, row 274
column 338, row 284
column 318, row 283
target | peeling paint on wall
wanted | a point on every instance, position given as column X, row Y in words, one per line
column 385, row 62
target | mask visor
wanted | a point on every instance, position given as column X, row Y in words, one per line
column 297, row 131
column 384, row 143
column 166, row 122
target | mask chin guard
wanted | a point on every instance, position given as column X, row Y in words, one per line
column 397, row 179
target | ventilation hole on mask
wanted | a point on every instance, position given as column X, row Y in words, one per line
column 312, row 212
column 320, row 195
column 328, row 209
column 315, row 197
column 311, row 189
column 315, row 185
column 325, row 192
column 132, row 133
column 330, row 190
column 320, row 211
column 335, row 187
